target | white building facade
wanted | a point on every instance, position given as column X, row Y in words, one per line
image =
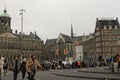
column 79, row 53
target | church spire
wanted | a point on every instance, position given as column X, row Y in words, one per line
column 5, row 10
column 71, row 30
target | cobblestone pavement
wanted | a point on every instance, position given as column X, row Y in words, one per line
column 71, row 74
column 43, row 75
column 91, row 73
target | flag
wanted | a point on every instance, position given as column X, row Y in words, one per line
column 57, row 52
column 64, row 51
column 21, row 13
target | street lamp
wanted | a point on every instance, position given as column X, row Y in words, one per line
column 21, row 13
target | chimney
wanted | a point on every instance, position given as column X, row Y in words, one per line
column 97, row 19
column 16, row 31
column 117, row 18
column 31, row 33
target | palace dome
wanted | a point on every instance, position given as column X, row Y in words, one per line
column 5, row 14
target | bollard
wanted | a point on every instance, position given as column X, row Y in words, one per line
column 0, row 68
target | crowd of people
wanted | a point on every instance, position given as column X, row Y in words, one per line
column 26, row 67
column 114, row 63
column 31, row 65
column 51, row 65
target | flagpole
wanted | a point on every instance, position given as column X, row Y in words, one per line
column 21, row 13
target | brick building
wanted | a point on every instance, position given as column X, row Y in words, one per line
column 107, row 38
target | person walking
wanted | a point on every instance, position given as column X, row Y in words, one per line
column 78, row 64
column 31, row 67
column 23, row 68
column 5, row 66
column 16, row 67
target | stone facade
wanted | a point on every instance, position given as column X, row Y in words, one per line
column 62, row 48
column 49, row 49
column 88, row 49
column 13, row 44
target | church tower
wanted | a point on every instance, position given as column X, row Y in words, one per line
column 72, row 31
column 5, row 22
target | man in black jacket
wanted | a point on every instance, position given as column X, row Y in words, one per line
column 16, row 67
column 23, row 68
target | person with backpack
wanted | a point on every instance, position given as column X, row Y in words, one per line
column 23, row 68
column 5, row 66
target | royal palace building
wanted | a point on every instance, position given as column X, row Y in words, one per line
column 13, row 44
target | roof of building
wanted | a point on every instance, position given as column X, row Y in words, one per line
column 8, row 35
column 66, row 38
column 50, row 42
column 108, row 22
column 25, row 36
column 4, row 14
column 78, row 38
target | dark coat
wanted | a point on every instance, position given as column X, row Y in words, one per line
column 18, row 66
column 119, row 64
column 23, row 66
column 5, row 65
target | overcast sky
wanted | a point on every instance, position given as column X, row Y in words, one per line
column 51, row 17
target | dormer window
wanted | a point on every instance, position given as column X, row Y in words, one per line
column 115, row 26
column 104, row 26
column 97, row 28
column 110, row 27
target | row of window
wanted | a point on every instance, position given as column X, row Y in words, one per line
column 108, row 43
column 107, row 38
column 19, row 46
column 109, row 49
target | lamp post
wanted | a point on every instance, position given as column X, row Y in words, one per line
column 21, row 13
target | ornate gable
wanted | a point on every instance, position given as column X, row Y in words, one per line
column 8, row 34
column 60, row 39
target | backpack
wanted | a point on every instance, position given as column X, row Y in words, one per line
column 33, row 70
column 4, row 65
